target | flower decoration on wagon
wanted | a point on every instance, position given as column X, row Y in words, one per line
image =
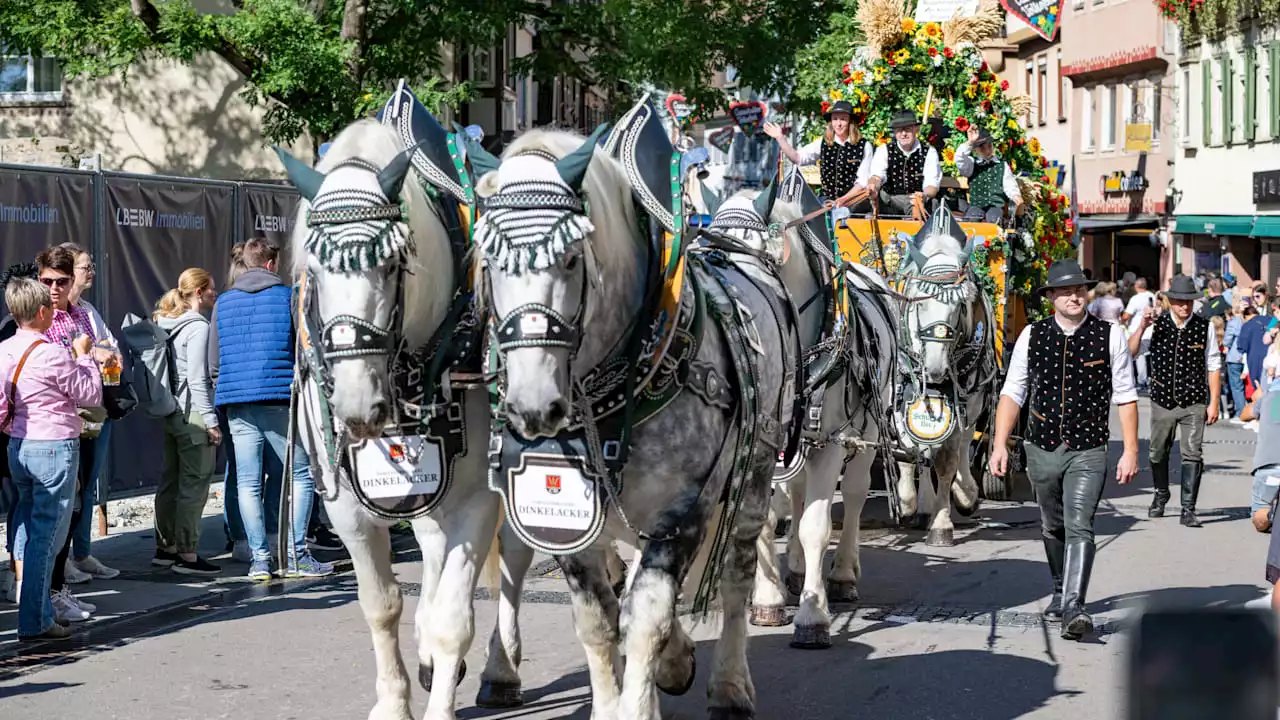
column 938, row 68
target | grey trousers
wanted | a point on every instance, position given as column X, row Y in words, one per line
column 992, row 214
column 1165, row 421
column 1068, row 485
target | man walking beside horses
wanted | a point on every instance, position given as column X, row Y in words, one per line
column 1070, row 367
column 1184, row 371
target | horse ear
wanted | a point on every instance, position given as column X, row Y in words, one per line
column 573, row 167
column 969, row 245
column 710, row 198
column 307, row 179
column 391, row 179
column 764, row 201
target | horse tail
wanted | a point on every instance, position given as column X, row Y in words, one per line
column 491, row 572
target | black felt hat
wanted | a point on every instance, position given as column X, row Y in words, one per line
column 903, row 118
column 1182, row 288
column 984, row 136
column 843, row 106
column 1065, row 273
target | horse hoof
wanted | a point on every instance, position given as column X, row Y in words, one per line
column 688, row 682
column 845, row 591
column 940, row 538
column 814, row 637
column 795, row 583
column 768, row 616
column 499, row 695
column 968, row 511
column 425, row 674
column 730, row 713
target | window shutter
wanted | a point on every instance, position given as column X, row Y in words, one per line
column 1227, row 97
column 1206, row 103
column 1274, row 85
column 1250, row 95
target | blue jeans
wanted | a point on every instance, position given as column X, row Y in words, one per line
column 82, row 533
column 1266, row 483
column 45, row 473
column 232, row 523
column 1235, row 383
column 254, row 426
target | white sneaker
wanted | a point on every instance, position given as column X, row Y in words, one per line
column 74, row 575
column 1251, row 425
column 85, row 605
column 95, row 568
column 66, row 608
column 240, row 552
column 1236, row 421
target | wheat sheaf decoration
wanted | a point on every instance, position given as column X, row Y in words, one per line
column 1020, row 104
column 984, row 24
column 881, row 23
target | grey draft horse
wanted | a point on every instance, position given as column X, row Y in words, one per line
column 853, row 422
column 948, row 346
column 585, row 269
column 363, row 174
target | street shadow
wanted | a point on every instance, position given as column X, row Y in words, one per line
column 12, row 691
column 1181, row 598
column 555, row 695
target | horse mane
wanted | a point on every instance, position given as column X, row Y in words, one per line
column 378, row 144
column 607, row 192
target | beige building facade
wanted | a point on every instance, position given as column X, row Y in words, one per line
column 1033, row 67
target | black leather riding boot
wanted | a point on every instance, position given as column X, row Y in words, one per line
column 1159, row 481
column 1054, row 550
column 1077, row 567
column 1190, row 491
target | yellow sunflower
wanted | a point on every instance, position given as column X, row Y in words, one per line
column 932, row 30
column 1013, row 124
column 948, row 155
column 918, row 67
column 863, row 97
column 859, row 77
column 908, row 25
column 902, row 56
column 837, row 95
column 1034, row 146
column 971, row 91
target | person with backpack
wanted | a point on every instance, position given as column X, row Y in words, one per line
column 251, row 356
column 191, row 433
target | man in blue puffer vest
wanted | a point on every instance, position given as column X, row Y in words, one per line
column 251, row 347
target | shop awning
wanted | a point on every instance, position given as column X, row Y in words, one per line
column 1266, row 226
column 1215, row 224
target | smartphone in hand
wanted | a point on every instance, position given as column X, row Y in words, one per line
column 1204, row 664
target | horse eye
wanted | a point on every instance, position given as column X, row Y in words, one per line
column 572, row 262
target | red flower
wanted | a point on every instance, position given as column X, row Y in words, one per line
column 933, row 52
column 825, row 107
column 984, row 66
column 889, row 59
column 986, row 106
column 962, row 124
column 845, row 69
column 986, row 243
column 847, row 80
column 948, row 53
column 1004, row 84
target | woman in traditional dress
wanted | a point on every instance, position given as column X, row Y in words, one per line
column 843, row 154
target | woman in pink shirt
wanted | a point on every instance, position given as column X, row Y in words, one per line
column 40, row 388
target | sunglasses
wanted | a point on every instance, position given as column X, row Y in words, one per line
column 56, row 282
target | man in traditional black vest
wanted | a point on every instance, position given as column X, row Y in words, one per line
column 1184, row 372
column 904, row 168
column 1073, row 366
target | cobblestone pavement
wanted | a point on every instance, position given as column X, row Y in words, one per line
column 940, row 632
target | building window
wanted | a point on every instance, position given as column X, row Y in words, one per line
column 1250, row 95
column 1157, row 108
column 1030, row 89
column 1087, row 110
column 1042, row 90
column 1228, row 100
column 1062, row 91
column 481, row 71
column 29, row 77
column 1185, row 99
column 1109, row 118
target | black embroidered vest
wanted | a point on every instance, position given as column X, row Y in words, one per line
column 840, row 163
column 1176, row 365
column 1069, row 379
column 986, row 185
column 906, row 172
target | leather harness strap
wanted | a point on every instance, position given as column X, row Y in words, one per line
column 13, row 385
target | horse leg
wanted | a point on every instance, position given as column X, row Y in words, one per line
column 379, row 593
column 941, row 531
column 431, row 540
column 500, row 681
column 813, row 622
column 965, row 489
column 842, row 586
column 731, row 695
column 595, row 618
column 795, row 549
column 907, row 500
column 768, row 603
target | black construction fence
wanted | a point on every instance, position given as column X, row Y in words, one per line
column 143, row 231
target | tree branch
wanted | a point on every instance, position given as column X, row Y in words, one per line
column 353, row 31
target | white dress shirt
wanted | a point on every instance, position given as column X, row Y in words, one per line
column 965, row 164
column 811, row 153
column 1122, row 387
column 932, row 168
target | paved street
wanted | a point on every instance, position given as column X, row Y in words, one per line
column 941, row 633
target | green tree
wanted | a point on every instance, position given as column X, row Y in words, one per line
column 819, row 61
column 318, row 64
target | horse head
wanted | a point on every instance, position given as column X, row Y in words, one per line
column 754, row 218
column 940, row 296
column 369, row 282
column 562, row 266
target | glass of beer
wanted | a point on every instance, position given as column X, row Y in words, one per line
column 111, row 369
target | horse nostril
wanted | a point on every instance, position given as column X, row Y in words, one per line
column 557, row 413
column 379, row 413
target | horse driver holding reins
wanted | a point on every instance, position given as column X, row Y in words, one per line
column 904, row 168
column 844, row 157
column 1074, row 366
